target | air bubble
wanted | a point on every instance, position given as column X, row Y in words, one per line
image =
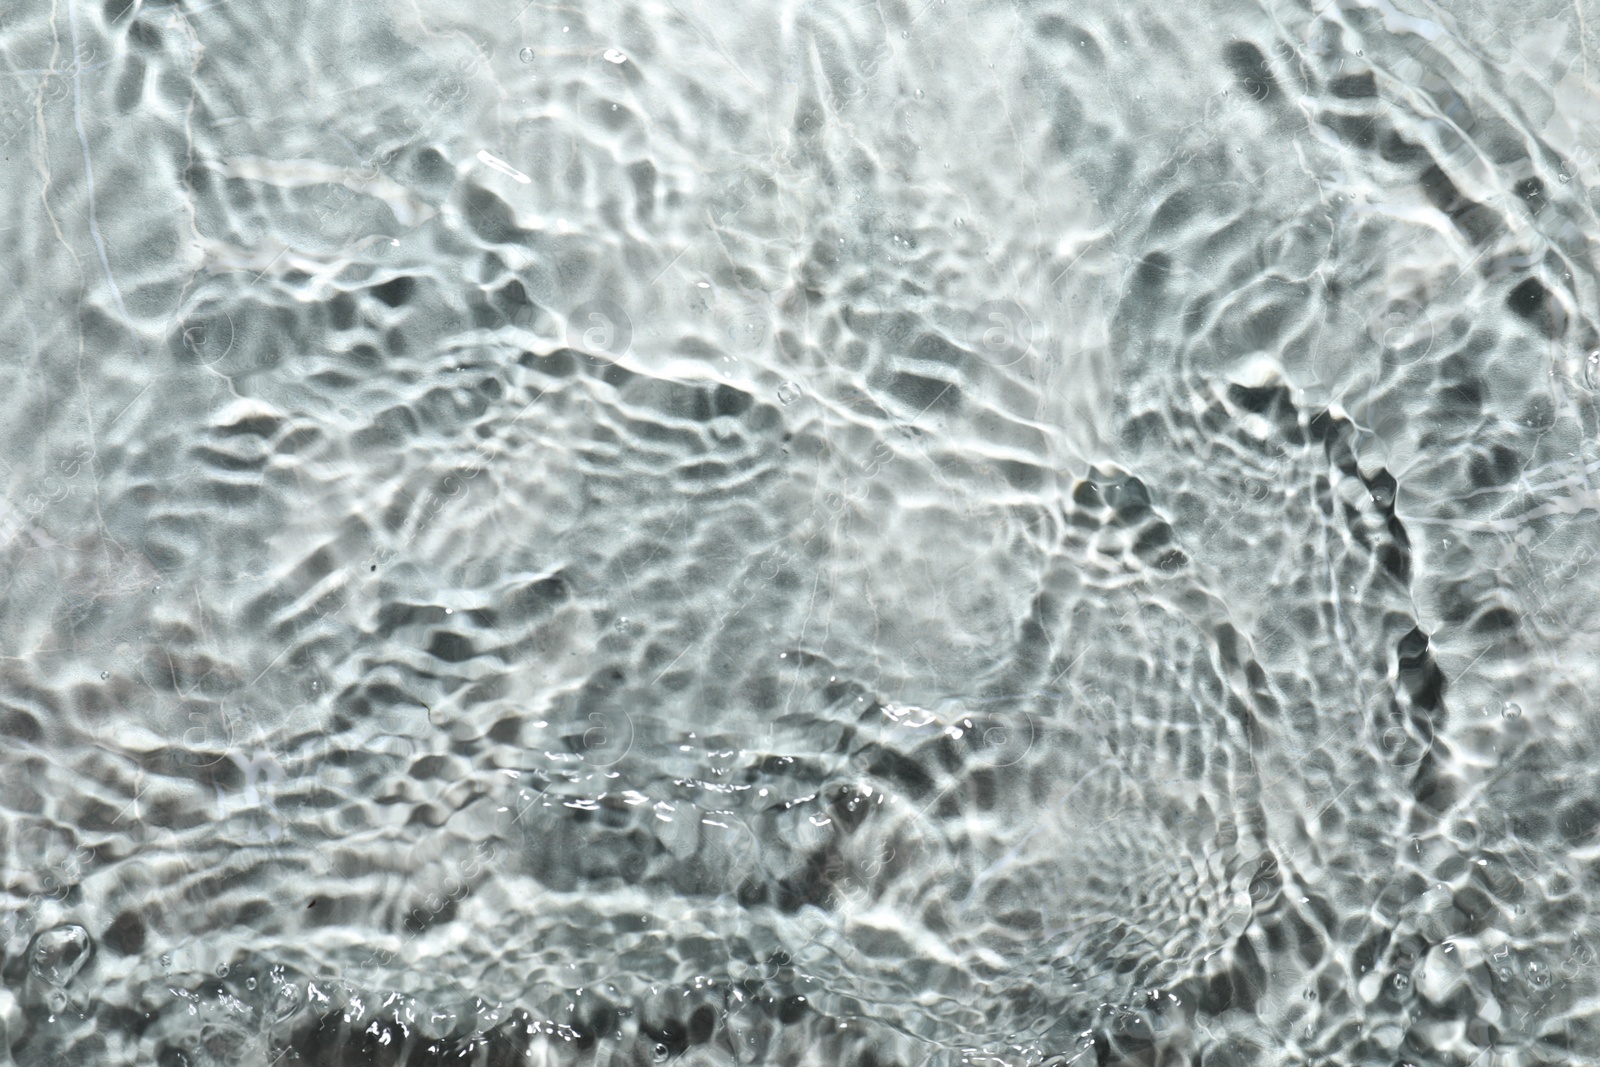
column 526, row 55
column 788, row 393
column 288, row 1002
column 1511, row 711
column 104, row 675
column 59, row 953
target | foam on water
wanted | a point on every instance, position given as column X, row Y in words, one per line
column 818, row 533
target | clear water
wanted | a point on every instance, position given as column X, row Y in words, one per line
column 799, row 533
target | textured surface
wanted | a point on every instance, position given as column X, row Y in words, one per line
column 800, row 533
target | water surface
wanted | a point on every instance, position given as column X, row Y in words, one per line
column 811, row 533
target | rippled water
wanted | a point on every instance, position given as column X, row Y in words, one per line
column 804, row 533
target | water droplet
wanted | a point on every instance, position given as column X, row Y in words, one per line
column 613, row 55
column 526, row 55
column 59, row 953
column 788, row 393
column 1510, row 710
